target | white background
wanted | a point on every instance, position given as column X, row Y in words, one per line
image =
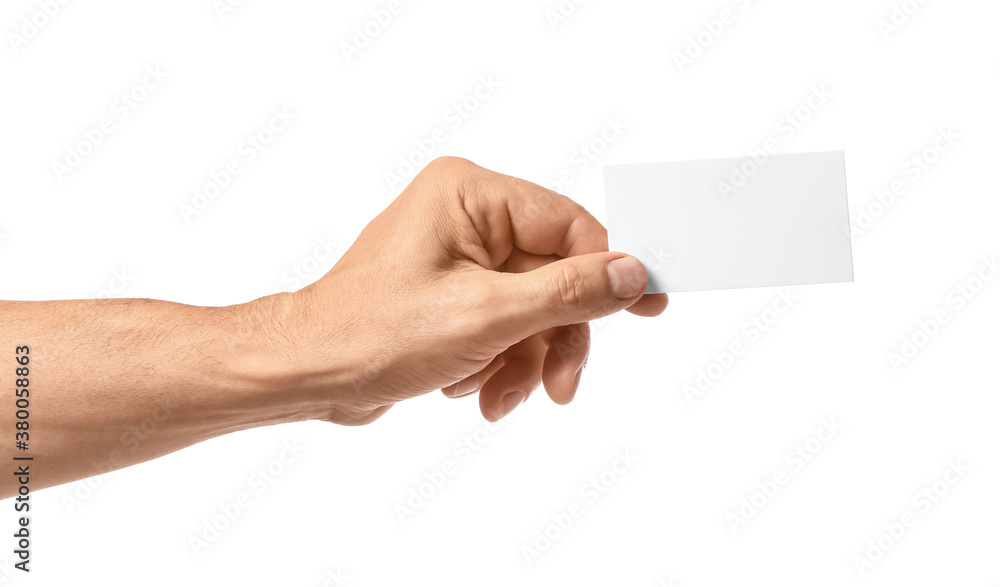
column 115, row 221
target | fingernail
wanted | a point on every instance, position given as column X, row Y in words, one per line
column 467, row 386
column 511, row 401
column 576, row 387
column 627, row 277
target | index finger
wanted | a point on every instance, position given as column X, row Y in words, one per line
column 511, row 213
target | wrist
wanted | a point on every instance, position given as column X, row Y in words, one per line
column 256, row 362
column 285, row 370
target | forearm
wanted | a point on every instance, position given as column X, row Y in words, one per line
column 112, row 383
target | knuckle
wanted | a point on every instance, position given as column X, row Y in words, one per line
column 449, row 164
column 571, row 285
column 444, row 176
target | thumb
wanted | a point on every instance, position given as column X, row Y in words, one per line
column 568, row 291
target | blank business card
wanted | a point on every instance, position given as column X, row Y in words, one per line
column 773, row 220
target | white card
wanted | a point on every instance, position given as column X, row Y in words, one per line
column 731, row 223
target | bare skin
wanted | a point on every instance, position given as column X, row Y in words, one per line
column 469, row 282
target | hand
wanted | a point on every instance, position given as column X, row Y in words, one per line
column 470, row 281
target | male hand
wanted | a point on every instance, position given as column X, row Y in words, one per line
column 470, row 281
